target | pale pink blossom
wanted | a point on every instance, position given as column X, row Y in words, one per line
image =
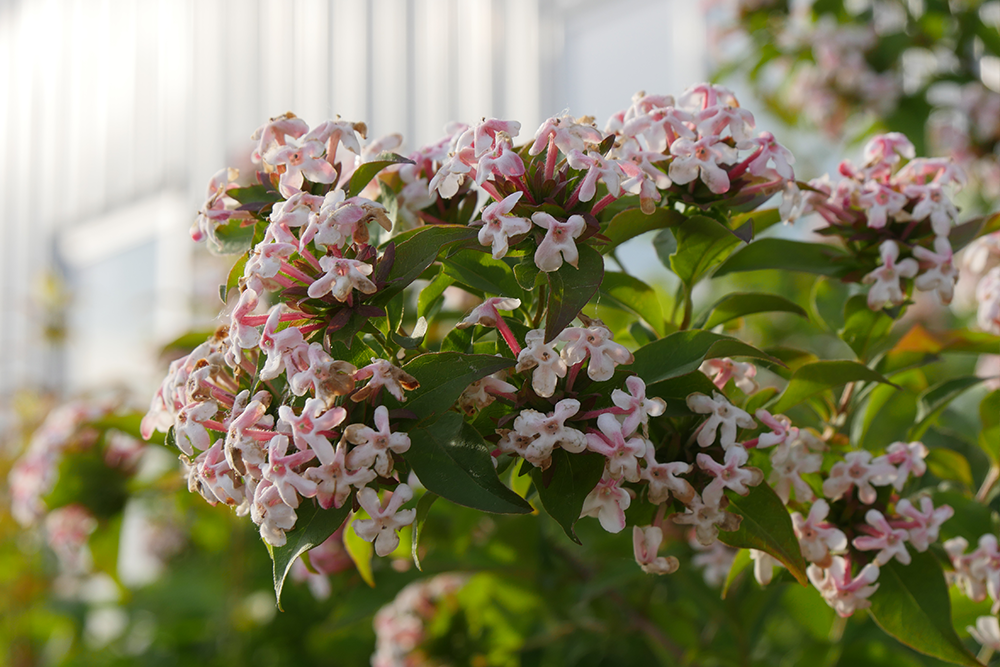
column 541, row 356
column 988, row 295
column 885, row 279
column 558, row 245
column 623, row 455
column 858, row 470
column 707, row 519
column 925, row 523
column 939, row 272
column 741, row 373
column 384, row 374
column 342, row 276
column 891, row 542
column 725, row 418
column 781, row 427
column 729, row 475
column 986, row 632
column 280, row 471
column 880, row 202
column 842, row 592
column 334, row 481
column 326, row 376
column 662, row 479
column 281, row 346
column 566, row 133
column 594, row 342
column 645, row 543
column 218, row 477
column 502, row 160
column 909, row 459
column 935, row 204
column 888, row 148
column 639, row 408
column 386, row 518
column 608, row 502
column 486, row 315
column 716, row 560
column 770, row 150
column 290, row 214
column 549, row 431
column 375, row 444
column 763, row 566
column 271, row 513
column 274, row 133
column 701, row 158
column 789, row 462
column 308, row 428
column 598, row 167
column 818, row 538
column 189, row 433
column 483, row 392
column 499, row 225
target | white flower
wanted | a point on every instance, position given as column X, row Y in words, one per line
column 386, row 518
column 939, row 273
column 986, row 632
column 723, row 414
column 594, row 342
column 891, row 542
column 623, row 455
column 374, row 445
column 558, row 245
column 818, row 539
column 608, row 502
column 763, row 566
column 499, row 225
column 544, row 359
column 342, row 276
column 886, row 288
column 645, row 543
column 844, row 594
column 640, row 408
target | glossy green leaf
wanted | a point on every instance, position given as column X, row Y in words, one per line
column 431, row 297
column 443, row 376
column 233, row 279
column 233, row 237
column 633, row 222
column 701, row 244
column 255, row 194
column 423, row 509
column 864, row 328
column 480, row 271
column 912, row 605
column 635, row 295
column 788, row 255
column 936, row 399
column 684, row 351
column 741, row 304
column 826, row 302
column 675, row 391
column 363, row 175
column 949, row 464
column 527, row 274
column 762, row 219
column 570, row 289
column 564, row 485
column 889, row 412
column 452, row 460
column 360, row 550
column 313, row 527
column 418, row 252
column 665, row 245
column 970, row 342
column 817, row 377
column 766, row 526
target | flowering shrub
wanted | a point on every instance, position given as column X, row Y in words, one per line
column 348, row 391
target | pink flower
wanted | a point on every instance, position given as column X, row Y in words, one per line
column 770, row 150
column 891, row 542
column 386, row 518
column 342, row 276
column 731, row 475
column 702, row 157
column 326, row 376
column 788, row 463
column 558, row 245
column 909, row 457
column 308, row 428
column 707, row 519
column 218, row 477
column 939, row 273
column 483, row 391
column 986, row 632
column 189, row 432
column 608, row 502
column 334, row 481
column 598, row 167
column 880, row 201
column 988, row 295
column 662, row 479
column 926, row 522
column 594, row 342
column 544, row 359
column 763, row 566
column 724, row 419
column 781, row 427
column 645, row 543
column 384, row 374
column 280, row 471
column 885, row 279
column 274, row 133
column 302, row 158
column 486, row 315
column 270, row 512
column 857, row 470
column 566, row 133
column 933, row 203
column 639, row 408
column 374, row 445
column 282, row 347
column 844, row 594
column 502, row 160
column 623, row 455
column 499, row 225
column 549, row 431
column 725, row 369
column 888, row 148
column 817, row 538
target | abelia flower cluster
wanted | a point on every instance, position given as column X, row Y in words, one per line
column 894, row 207
column 400, row 626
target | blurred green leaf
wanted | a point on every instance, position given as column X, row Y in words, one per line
column 360, row 550
column 740, row 563
column 864, row 328
column 480, row 271
column 741, row 304
column 633, row 222
column 452, row 460
column 418, row 252
column 233, row 237
column 817, row 377
column 936, row 399
column 635, row 295
column 787, row 255
column 912, row 605
column 701, row 244
column 684, row 351
column 949, row 464
column 363, row 175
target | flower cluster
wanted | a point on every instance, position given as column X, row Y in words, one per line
column 892, row 202
column 400, row 625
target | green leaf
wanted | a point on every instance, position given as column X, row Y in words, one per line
column 418, row 252
column 788, row 255
column 970, row 342
column 933, row 402
column 527, row 274
column 360, row 550
column 635, row 295
column 675, row 391
column 633, row 222
column 570, row 289
column 129, row 423
column 864, row 327
column 431, row 296
column 255, row 194
column 480, row 271
column 826, row 302
column 741, row 304
column 762, row 219
column 564, row 485
column 684, row 351
column 665, row 245
column 233, row 237
column 452, row 460
column 912, row 605
column 443, row 376
column 313, row 527
column 766, row 526
column 233, row 279
column 740, row 563
column 363, row 175
column 423, row 509
column 812, row 379
column 949, row 464
column 701, row 244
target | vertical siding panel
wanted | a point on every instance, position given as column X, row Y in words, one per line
column 351, row 66
column 389, row 84
column 432, row 57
